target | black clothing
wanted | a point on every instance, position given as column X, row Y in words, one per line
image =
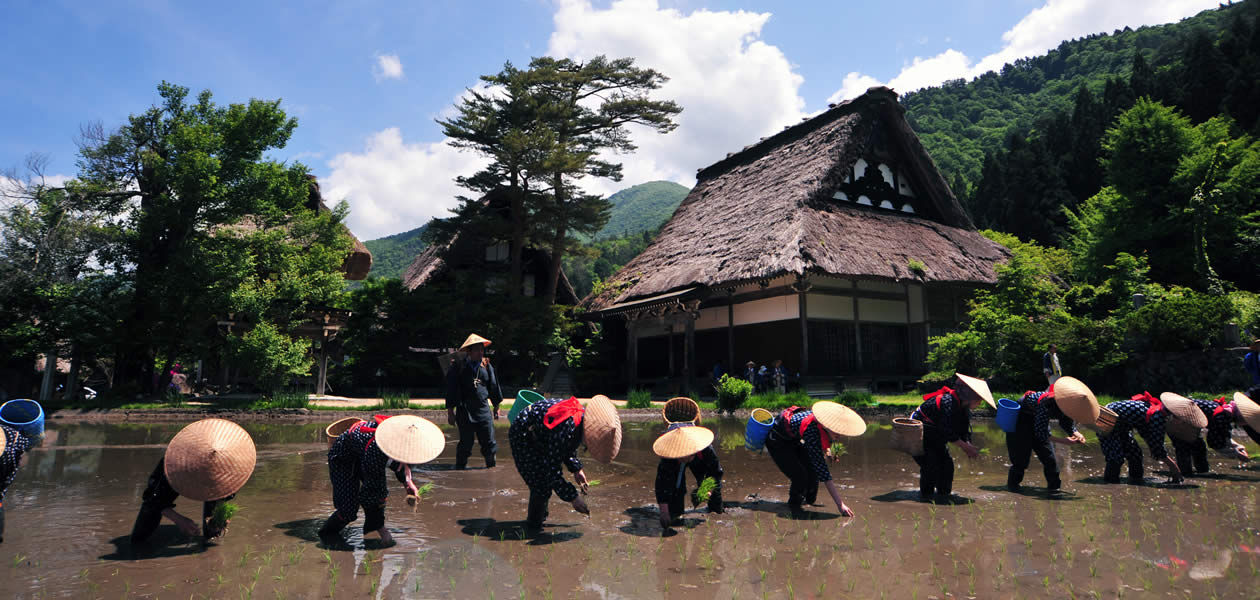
column 471, row 388
column 1032, row 434
column 799, row 454
column 356, row 467
column 671, row 485
column 1192, row 455
column 944, row 421
column 538, row 452
column 159, row 496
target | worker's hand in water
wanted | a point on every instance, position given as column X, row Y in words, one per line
column 580, row 478
column 186, row 526
column 969, row 449
column 845, row 510
column 411, row 489
column 1077, row 438
column 580, row 505
column 1241, row 452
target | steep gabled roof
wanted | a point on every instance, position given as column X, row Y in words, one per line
column 767, row 211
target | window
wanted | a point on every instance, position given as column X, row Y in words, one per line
column 497, row 252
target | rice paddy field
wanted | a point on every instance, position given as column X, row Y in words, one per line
column 72, row 506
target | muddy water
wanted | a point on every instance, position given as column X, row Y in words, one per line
column 73, row 504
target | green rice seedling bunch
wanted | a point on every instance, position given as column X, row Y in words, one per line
column 223, row 512
column 705, row 490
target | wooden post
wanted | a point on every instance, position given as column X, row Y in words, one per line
column 730, row 334
column 857, row 328
column 689, row 353
column 669, row 341
column 804, row 336
column 632, row 350
column 323, row 364
column 50, row 367
column 910, row 354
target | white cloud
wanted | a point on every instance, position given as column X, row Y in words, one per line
column 1041, row 30
column 733, row 86
column 394, row 186
column 388, row 66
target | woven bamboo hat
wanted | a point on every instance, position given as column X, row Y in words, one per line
column 1185, row 418
column 1076, row 400
column 682, row 441
column 1248, row 410
column 681, row 410
column 473, row 340
column 838, row 418
column 3, row 441
column 410, row 439
column 210, row 459
column 601, row 429
column 978, row 386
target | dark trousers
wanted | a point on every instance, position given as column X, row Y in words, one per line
column 789, row 456
column 1192, row 457
column 347, row 479
column 537, row 514
column 151, row 516
column 1020, row 447
column 678, row 494
column 482, row 430
column 936, row 466
column 1120, row 448
column 1, row 523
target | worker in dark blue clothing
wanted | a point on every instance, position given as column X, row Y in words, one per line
column 472, row 401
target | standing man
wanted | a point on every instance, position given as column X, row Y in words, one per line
column 1050, row 366
column 1251, row 362
column 471, row 388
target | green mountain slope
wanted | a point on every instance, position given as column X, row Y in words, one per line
column 392, row 254
column 644, row 207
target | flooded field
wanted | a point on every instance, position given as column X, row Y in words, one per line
column 72, row 506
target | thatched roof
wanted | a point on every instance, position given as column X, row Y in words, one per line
column 768, row 210
column 359, row 262
column 431, row 263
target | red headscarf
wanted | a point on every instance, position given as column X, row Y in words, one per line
column 1155, row 404
column 563, row 410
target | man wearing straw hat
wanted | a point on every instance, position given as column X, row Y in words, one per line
column 685, row 446
column 13, row 447
column 799, row 442
column 1067, row 401
column 1147, row 415
column 1050, row 365
column 357, row 462
column 207, row 461
column 547, row 435
column 471, row 389
column 1220, row 414
column 946, row 417
column 702, row 462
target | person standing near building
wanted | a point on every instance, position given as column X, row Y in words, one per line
column 1050, row 366
column 779, row 375
column 471, row 389
column 1251, row 362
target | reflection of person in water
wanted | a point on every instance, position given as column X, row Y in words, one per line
column 357, row 462
column 1145, row 414
column 799, row 442
column 946, row 417
column 685, row 447
column 207, row 461
column 547, row 434
column 1221, row 414
column 1068, row 396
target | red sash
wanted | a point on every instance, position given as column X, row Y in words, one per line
column 563, row 410
column 1222, row 405
column 1155, row 404
column 823, row 437
column 370, row 427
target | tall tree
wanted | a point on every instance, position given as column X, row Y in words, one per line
column 587, row 108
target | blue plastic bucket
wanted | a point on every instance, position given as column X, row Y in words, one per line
column 524, row 398
column 758, row 428
column 1007, row 414
column 26, row 416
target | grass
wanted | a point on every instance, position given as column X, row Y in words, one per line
column 639, row 398
column 395, row 401
column 289, row 400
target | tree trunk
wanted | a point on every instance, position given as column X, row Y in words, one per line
column 518, row 238
column 72, row 380
column 50, row 367
column 557, row 252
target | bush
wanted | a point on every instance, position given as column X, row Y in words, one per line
column 396, row 400
column 732, row 392
column 856, row 399
column 639, row 398
column 1182, row 320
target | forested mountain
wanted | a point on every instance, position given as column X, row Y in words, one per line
column 1101, row 146
column 392, row 254
column 644, row 207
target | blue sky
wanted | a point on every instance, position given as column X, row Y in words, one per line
column 367, row 79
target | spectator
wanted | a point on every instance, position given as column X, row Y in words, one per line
column 1050, row 366
column 1251, row 362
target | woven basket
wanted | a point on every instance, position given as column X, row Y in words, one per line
column 907, row 436
column 1106, row 420
column 339, row 427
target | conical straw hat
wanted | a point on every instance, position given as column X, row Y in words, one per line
column 1185, row 419
column 410, row 439
column 681, row 410
column 978, row 386
column 601, row 426
column 210, row 460
column 474, row 339
column 683, row 441
column 3, row 441
column 838, row 418
column 1076, row 400
column 1248, row 410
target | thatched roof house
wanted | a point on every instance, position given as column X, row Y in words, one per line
column 359, row 262
column 487, row 258
column 833, row 245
